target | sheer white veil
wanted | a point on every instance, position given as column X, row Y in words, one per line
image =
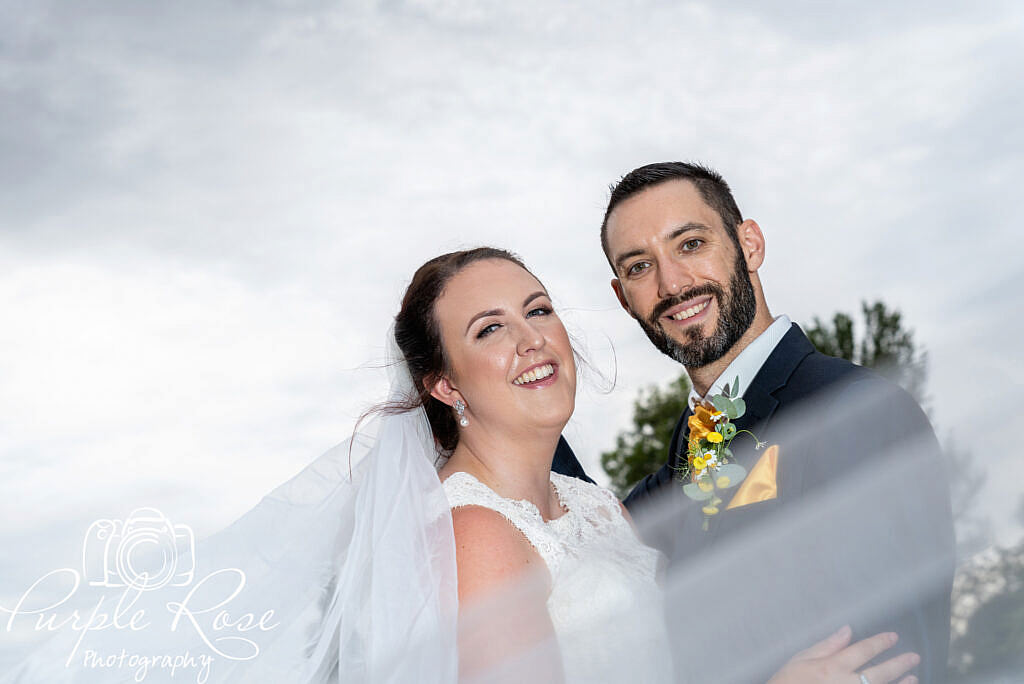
column 355, row 556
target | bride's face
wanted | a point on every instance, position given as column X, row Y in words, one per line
column 510, row 357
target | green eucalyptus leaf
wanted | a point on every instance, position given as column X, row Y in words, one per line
column 735, row 388
column 734, row 472
column 721, row 402
column 741, row 407
column 694, row 492
column 728, row 430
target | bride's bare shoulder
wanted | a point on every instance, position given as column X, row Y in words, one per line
column 489, row 550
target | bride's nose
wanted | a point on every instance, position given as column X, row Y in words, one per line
column 530, row 339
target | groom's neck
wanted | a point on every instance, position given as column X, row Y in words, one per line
column 704, row 377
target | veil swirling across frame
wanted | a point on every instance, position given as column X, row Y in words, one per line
column 355, row 556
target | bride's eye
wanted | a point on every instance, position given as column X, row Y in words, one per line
column 539, row 311
column 487, row 330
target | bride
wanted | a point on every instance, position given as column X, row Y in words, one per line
column 435, row 545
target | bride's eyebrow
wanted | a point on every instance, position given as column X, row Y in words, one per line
column 498, row 312
column 483, row 314
column 539, row 293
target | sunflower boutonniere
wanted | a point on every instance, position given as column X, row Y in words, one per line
column 708, row 467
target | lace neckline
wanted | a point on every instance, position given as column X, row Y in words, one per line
column 522, row 503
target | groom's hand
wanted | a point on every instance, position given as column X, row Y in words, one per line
column 834, row 660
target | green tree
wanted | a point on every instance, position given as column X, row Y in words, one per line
column 988, row 614
column 644, row 448
column 988, row 617
column 885, row 345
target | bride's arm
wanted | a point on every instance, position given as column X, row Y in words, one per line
column 504, row 625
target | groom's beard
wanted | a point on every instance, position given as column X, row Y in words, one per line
column 736, row 311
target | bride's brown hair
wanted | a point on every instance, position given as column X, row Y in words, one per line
column 419, row 336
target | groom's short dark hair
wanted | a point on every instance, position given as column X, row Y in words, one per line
column 709, row 183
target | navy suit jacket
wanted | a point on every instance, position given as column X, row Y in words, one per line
column 797, row 386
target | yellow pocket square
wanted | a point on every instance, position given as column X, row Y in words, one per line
column 759, row 484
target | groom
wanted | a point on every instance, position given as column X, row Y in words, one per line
column 685, row 267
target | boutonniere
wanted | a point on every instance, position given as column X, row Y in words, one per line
column 708, row 467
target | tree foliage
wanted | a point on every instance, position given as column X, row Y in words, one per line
column 644, row 447
column 885, row 345
column 988, row 617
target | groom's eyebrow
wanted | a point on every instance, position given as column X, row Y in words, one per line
column 626, row 256
column 685, row 228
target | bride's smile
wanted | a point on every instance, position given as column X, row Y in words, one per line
column 539, row 375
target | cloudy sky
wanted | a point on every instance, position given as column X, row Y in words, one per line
column 209, row 211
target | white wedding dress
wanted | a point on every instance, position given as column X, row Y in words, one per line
column 605, row 604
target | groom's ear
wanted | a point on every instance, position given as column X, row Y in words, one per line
column 752, row 241
column 621, row 296
column 443, row 391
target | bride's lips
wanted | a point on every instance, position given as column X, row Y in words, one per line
column 693, row 311
column 537, row 384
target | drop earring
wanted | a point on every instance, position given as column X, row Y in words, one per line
column 460, row 408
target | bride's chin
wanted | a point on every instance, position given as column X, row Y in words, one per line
column 556, row 421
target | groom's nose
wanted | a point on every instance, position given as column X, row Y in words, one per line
column 673, row 278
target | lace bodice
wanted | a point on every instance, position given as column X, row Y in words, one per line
column 605, row 604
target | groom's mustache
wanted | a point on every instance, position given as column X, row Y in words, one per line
column 700, row 291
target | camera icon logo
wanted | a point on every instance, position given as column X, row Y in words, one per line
column 144, row 552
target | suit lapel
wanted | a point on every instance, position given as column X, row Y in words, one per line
column 677, row 445
column 773, row 376
column 762, row 403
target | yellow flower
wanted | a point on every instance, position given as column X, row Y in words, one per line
column 714, row 437
column 701, row 423
column 697, row 429
column 699, row 462
column 723, row 482
column 710, row 510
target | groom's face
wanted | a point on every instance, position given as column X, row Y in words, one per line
column 679, row 273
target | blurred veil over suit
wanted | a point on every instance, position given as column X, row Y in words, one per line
column 842, row 541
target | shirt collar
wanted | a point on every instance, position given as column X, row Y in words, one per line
column 749, row 361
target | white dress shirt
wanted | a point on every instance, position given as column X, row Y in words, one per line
column 749, row 361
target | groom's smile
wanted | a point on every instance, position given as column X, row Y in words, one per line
column 691, row 311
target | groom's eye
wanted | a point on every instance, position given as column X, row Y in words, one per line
column 638, row 268
column 691, row 244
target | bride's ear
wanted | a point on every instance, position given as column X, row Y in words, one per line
column 443, row 391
